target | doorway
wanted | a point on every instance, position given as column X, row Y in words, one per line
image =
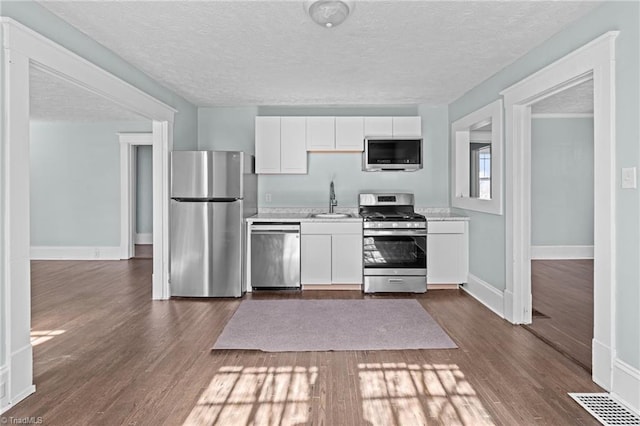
column 562, row 221
column 593, row 61
column 136, row 195
column 23, row 49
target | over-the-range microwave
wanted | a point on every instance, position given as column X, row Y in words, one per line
column 387, row 154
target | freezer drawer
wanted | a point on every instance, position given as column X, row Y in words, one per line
column 275, row 256
column 206, row 249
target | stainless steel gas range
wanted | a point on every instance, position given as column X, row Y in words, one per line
column 395, row 244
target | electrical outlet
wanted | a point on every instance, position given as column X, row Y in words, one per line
column 97, row 253
column 629, row 178
column 267, row 197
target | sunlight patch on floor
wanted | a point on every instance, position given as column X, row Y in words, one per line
column 41, row 336
column 403, row 394
column 256, row 395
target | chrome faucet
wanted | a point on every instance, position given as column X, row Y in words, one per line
column 332, row 198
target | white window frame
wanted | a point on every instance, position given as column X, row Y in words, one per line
column 460, row 167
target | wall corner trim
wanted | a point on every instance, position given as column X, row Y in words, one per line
column 486, row 294
column 4, row 389
column 626, row 385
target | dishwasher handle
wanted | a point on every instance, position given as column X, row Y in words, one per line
column 275, row 229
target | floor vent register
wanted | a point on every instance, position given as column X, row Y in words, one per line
column 607, row 410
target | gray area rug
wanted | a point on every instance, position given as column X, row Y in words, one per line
column 332, row 325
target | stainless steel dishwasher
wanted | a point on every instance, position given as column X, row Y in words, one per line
column 275, row 255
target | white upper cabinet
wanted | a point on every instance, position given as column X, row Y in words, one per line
column 267, row 144
column 280, row 145
column 407, row 127
column 321, row 134
column 378, row 126
column 282, row 142
column 293, row 151
column 349, row 134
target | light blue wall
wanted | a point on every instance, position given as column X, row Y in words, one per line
column 622, row 16
column 562, row 182
column 233, row 128
column 144, row 190
column 227, row 128
column 75, row 183
column 36, row 17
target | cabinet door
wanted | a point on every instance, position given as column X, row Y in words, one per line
column 320, row 133
column 447, row 253
column 407, row 127
column 378, row 126
column 267, row 144
column 315, row 259
column 293, row 150
column 350, row 134
column 346, row 259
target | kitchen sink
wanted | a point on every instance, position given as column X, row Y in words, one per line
column 330, row 215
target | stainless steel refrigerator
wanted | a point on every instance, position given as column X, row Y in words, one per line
column 211, row 194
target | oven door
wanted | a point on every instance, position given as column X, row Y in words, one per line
column 395, row 252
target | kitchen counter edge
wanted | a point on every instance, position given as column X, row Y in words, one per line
column 304, row 217
column 296, row 217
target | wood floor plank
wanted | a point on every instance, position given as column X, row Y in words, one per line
column 120, row 358
column 562, row 290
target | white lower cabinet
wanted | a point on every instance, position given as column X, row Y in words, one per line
column 315, row 259
column 447, row 252
column 331, row 253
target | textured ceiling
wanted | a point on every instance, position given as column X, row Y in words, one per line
column 576, row 100
column 53, row 99
column 271, row 53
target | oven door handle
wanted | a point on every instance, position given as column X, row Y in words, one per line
column 395, row 232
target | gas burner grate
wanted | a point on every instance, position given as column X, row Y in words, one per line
column 605, row 409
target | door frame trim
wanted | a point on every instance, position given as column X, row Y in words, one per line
column 595, row 60
column 128, row 192
column 24, row 48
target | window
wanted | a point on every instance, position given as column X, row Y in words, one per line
column 480, row 167
column 477, row 176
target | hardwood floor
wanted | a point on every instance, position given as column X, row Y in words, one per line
column 562, row 291
column 115, row 357
column 143, row 251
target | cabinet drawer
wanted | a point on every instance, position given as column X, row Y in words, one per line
column 331, row 228
column 446, row 227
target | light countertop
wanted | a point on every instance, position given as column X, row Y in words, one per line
column 304, row 215
column 445, row 216
column 297, row 217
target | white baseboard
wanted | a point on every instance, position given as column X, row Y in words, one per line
column 486, row 294
column 144, row 239
column 21, row 385
column 508, row 306
column 626, row 385
column 75, row 253
column 4, row 389
column 561, row 252
column 601, row 364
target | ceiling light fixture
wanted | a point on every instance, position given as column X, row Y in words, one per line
column 329, row 13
